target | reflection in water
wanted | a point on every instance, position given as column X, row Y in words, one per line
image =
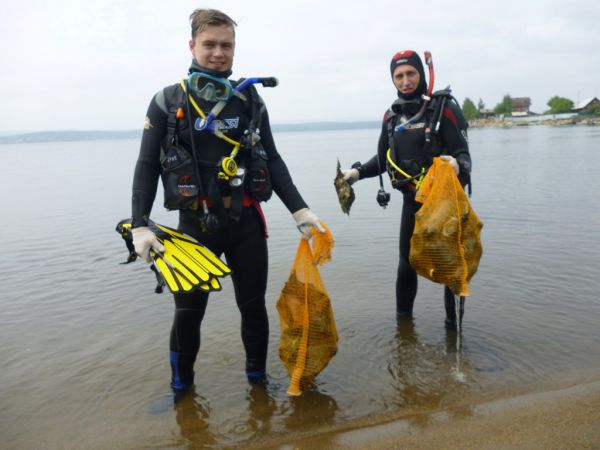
column 292, row 415
column 309, row 408
column 456, row 332
column 261, row 407
column 423, row 375
column 192, row 413
column 454, row 346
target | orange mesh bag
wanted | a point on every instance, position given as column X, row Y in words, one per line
column 446, row 245
column 308, row 333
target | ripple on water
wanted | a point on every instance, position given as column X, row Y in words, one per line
column 85, row 340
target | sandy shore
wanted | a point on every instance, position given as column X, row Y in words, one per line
column 564, row 418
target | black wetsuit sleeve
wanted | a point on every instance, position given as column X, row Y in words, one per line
column 281, row 179
column 453, row 133
column 147, row 168
column 372, row 167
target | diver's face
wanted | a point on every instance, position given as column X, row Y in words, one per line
column 214, row 47
column 406, row 79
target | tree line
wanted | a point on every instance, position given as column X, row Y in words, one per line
column 557, row 105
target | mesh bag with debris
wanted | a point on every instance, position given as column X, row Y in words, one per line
column 308, row 332
column 446, row 243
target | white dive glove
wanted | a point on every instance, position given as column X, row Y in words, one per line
column 452, row 161
column 143, row 240
column 350, row 175
column 305, row 219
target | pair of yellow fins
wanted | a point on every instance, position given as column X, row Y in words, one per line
column 186, row 265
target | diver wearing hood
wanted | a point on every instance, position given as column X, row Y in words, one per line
column 405, row 132
column 214, row 210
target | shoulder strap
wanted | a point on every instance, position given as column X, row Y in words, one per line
column 438, row 101
column 392, row 119
column 173, row 99
column 250, row 139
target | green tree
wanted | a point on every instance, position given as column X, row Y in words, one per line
column 559, row 105
column 480, row 105
column 505, row 106
column 469, row 110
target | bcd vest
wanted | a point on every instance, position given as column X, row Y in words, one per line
column 180, row 177
column 407, row 174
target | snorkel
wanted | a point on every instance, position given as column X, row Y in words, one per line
column 426, row 97
column 206, row 123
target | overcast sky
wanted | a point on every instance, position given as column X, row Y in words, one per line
column 94, row 65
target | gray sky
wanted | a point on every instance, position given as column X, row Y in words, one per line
column 70, row 64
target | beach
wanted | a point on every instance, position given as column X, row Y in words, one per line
column 566, row 417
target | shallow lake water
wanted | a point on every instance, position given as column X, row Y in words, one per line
column 84, row 340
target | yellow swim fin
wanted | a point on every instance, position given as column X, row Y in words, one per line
column 186, row 265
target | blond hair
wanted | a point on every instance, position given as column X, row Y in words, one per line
column 200, row 19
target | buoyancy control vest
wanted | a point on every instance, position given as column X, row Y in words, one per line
column 407, row 174
column 182, row 189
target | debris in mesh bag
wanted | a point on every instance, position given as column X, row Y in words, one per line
column 446, row 243
column 308, row 332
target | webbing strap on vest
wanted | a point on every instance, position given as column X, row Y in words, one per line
column 391, row 162
column 247, row 142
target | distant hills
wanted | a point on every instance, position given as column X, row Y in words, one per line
column 62, row 136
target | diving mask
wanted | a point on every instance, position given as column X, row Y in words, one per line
column 209, row 87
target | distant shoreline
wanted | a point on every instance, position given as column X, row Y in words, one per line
column 510, row 122
column 95, row 135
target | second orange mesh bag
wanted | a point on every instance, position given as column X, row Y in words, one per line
column 446, row 244
column 308, row 332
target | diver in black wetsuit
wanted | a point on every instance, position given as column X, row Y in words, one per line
column 413, row 155
column 233, row 224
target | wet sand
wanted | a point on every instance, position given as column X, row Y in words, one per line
column 563, row 418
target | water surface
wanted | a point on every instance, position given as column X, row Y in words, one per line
column 84, row 340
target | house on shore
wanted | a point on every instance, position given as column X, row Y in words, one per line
column 520, row 106
column 585, row 105
column 486, row 113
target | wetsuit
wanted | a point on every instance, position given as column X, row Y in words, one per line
column 242, row 241
column 412, row 154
